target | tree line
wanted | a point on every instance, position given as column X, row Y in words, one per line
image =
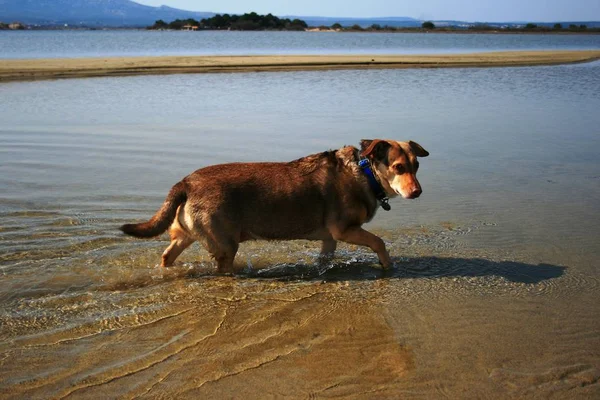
column 247, row 22
column 428, row 25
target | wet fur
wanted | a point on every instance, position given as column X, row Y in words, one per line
column 323, row 197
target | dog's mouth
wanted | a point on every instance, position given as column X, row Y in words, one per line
column 410, row 196
column 398, row 192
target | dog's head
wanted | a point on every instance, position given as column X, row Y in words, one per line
column 396, row 165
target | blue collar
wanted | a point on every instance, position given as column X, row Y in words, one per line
column 365, row 166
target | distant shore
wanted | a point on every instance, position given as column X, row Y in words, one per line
column 492, row 31
column 37, row 69
column 440, row 30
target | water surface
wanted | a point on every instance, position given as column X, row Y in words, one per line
column 53, row 44
column 495, row 286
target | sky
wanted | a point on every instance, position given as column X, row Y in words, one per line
column 464, row 10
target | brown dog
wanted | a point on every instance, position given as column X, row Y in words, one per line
column 325, row 196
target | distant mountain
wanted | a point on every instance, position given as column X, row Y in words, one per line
column 90, row 12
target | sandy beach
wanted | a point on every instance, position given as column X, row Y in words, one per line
column 35, row 69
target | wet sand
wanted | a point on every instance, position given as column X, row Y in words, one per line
column 460, row 323
column 34, row 69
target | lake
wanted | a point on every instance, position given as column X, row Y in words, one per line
column 52, row 44
column 495, row 287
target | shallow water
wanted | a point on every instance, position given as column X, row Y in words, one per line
column 495, row 287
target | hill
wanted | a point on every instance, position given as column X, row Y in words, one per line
column 109, row 13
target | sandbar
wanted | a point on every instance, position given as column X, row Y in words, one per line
column 63, row 68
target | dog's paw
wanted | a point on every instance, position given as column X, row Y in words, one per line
column 385, row 265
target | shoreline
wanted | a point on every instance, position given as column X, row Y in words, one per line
column 324, row 28
column 12, row 70
column 461, row 31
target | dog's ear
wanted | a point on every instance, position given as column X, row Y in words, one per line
column 418, row 149
column 375, row 149
column 364, row 144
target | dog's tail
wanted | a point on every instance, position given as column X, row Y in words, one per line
column 163, row 218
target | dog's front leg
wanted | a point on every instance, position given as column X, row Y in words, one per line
column 327, row 251
column 328, row 248
column 361, row 237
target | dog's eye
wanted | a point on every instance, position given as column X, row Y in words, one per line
column 399, row 168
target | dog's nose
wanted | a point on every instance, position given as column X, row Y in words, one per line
column 416, row 192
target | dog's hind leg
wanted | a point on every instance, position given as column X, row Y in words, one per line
column 179, row 242
column 225, row 263
column 224, row 254
column 223, row 248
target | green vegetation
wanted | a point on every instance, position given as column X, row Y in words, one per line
column 428, row 25
column 246, row 22
column 252, row 22
column 556, row 27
